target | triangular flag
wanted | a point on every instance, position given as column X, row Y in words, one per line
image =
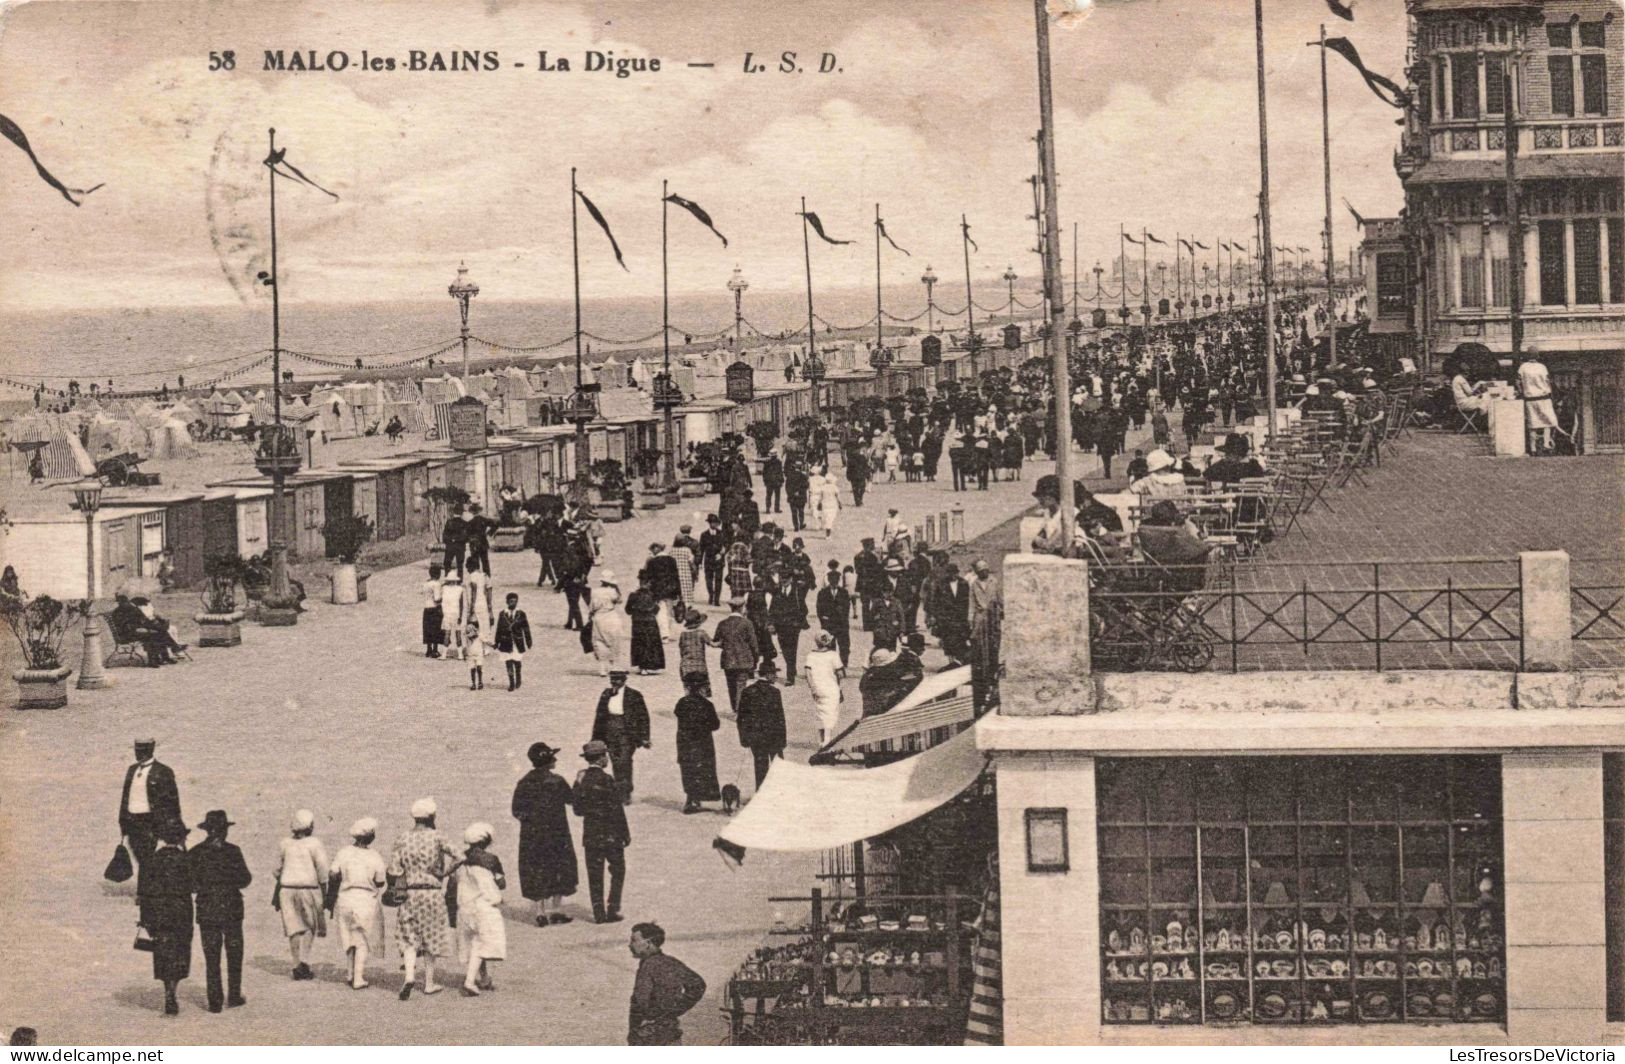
column 1152, row 238
column 1385, row 89
column 1357, row 219
column 698, row 212
column 818, row 227
column 15, row 134
column 1342, row 11
column 599, row 218
column 1201, row 245
column 279, row 158
column 1131, row 240
column 966, row 227
column 880, row 225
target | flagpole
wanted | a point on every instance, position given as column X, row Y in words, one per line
column 970, row 301
column 1514, row 220
column 583, row 449
column 1218, row 270
column 1145, row 277
column 1077, row 267
column 806, row 254
column 280, row 591
column 1179, row 282
column 665, row 339
column 1264, row 224
column 1326, row 155
column 1060, row 370
column 879, row 321
column 1122, row 269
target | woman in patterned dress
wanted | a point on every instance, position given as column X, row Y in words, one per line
column 419, row 866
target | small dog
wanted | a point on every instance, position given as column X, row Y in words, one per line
column 730, row 799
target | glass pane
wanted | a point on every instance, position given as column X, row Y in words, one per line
column 1425, row 788
column 1122, row 842
column 1323, row 875
column 1476, row 788
column 1173, row 794
column 1224, row 867
column 1323, row 789
column 1558, row 36
column 1120, row 788
column 1592, row 35
column 1376, row 865
column 1426, row 856
column 1375, row 788
column 1270, row 789
column 1221, row 789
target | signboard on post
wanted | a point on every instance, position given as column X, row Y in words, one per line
column 931, row 351
column 1012, row 336
column 741, row 382
column 466, row 425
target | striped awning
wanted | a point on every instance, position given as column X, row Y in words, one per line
column 935, row 711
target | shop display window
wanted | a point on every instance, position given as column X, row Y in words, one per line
column 1301, row 890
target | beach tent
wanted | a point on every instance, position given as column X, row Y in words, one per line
column 642, row 376
column 116, row 435
column 171, row 439
column 443, row 389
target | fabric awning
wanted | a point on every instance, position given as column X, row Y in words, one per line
column 933, row 705
column 801, row 807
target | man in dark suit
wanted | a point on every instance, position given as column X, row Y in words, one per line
column 711, row 549
column 604, row 833
column 835, row 614
column 512, row 639
column 660, row 571
column 795, row 493
column 772, row 483
column 454, row 536
column 130, row 622
column 477, row 535
column 761, row 721
column 622, row 725
column 736, row 635
column 150, row 799
column 953, row 614
column 871, row 573
column 219, row 875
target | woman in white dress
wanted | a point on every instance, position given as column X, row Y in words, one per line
column 829, row 505
column 301, row 882
column 823, row 671
column 609, row 638
column 481, row 936
column 359, row 874
column 453, row 615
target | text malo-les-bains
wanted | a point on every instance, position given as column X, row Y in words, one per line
column 311, row 60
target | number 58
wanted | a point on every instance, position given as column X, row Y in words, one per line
column 222, row 60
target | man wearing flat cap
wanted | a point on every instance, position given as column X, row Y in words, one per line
column 604, row 831
column 219, row 875
column 150, row 798
column 736, row 635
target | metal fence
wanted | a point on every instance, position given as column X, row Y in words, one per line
column 1453, row 613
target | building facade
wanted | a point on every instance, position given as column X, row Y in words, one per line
column 1552, row 71
column 1310, row 857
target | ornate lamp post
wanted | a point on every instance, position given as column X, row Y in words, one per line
column 1099, row 291
column 737, row 285
column 87, row 495
column 1162, row 278
column 462, row 290
column 1010, row 282
column 929, row 279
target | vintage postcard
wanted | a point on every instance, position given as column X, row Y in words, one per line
column 1022, row 522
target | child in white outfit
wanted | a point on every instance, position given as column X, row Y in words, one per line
column 474, row 649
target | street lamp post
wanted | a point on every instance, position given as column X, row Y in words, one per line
column 463, row 290
column 813, row 371
column 929, row 279
column 1162, row 278
column 737, row 285
column 1010, row 283
column 1099, row 271
column 92, row 676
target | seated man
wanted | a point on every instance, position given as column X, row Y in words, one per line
column 133, row 620
column 1171, row 541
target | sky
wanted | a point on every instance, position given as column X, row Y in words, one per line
column 930, row 114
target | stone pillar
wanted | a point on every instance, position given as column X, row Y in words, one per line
column 930, row 530
column 956, row 525
column 1049, row 922
column 942, row 528
column 1552, row 829
column 1543, row 577
column 1044, row 645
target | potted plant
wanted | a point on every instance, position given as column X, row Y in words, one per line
column 39, row 625
column 652, row 487
column 441, row 502
column 608, row 481
column 219, row 625
column 763, row 433
column 346, row 534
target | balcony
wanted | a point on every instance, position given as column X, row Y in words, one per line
column 1486, row 138
column 1548, row 328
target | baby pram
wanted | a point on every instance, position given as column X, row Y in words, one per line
column 1144, row 614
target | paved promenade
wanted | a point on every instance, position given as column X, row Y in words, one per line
column 344, row 716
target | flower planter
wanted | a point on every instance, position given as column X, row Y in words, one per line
column 278, row 616
column 361, row 586
column 509, row 538
column 674, row 495
column 219, row 629
column 609, row 509
column 42, row 688
column 695, row 487
column 651, row 498
column 345, row 591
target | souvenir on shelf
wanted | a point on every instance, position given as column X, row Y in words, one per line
column 1114, row 941
column 1176, row 935
column 1136, row 940
column 1276, row 895
column 1224, row 1005
column 1358, row 894
column 1433, row 897
column 1222, row 939
column 1190, row 939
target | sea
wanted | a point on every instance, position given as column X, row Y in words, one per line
column 139, row 349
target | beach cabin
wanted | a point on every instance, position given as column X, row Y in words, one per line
column 364, row 496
